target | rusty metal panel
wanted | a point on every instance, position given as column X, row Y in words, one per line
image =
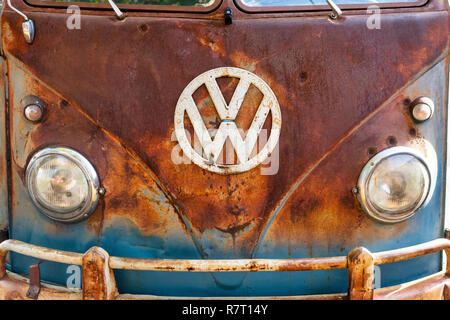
column 140, row 202
column 4, row 212
column 122, row 115
column 325, row 196
column 15, row 287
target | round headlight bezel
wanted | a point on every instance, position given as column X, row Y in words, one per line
column 86, row 208
column 366, row 174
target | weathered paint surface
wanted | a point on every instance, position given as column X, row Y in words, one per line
column 114, row 101
column 424, row 226
column 4, row 217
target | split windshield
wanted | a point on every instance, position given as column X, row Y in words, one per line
column 281, row 3
column 186, row 3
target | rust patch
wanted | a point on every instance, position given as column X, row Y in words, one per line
column 323, row 203
column 323, row 90
column 140, row 198
column 98, row 278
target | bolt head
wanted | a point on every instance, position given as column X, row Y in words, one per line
column 101, row 191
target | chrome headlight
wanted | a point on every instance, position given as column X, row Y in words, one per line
column 62, row 184
column 395, row 183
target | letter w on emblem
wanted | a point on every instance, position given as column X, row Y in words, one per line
column 227, row 127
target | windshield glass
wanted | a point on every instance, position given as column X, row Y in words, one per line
column 204, row 3
column 279, row 3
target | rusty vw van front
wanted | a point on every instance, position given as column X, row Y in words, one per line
column 155, row 149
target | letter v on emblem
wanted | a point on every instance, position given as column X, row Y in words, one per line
column 227, row 128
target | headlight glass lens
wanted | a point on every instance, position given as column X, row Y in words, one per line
column 397, row 184
column 394, row 184
column 62, row 184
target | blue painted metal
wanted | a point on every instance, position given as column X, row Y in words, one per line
column 4, row 213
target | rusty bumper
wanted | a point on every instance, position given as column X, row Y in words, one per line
column 98, row 281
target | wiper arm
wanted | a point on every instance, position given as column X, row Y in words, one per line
column 120, row 15
column 337, row 12
column 27, row 26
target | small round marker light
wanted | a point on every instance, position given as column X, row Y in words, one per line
column 33, row 113
column 33, row 108
column 422, row 109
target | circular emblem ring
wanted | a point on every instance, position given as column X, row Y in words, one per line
column 227, row 128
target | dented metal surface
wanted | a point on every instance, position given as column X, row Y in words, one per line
column 334, row 119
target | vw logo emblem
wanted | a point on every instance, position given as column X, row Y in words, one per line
column 227, row 127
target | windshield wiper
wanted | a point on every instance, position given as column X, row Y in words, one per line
column 27, row 26
column 120, row 15
column 337, row 12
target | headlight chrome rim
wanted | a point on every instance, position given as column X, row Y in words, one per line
column 366, row 174
column 85, row 209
